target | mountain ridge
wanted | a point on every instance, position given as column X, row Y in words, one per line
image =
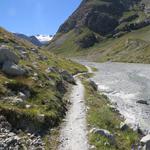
column 37, row 40
column 95, row 22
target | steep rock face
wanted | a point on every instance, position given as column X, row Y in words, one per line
column 101, row 16
column 94, row 21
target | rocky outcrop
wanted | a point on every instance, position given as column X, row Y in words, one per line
column 129, row 18
column 101, row 23
column 87, row 41
column 103, row 19
column 35, row 41
column 99, row 16
column 134, row 26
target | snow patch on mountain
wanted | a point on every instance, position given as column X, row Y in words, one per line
column 44, row 39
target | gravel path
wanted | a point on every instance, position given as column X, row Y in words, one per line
column 74, row 132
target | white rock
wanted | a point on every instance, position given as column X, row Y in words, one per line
column 105, row 133
column 22, row 96
column 17, row 100
column 145, row 142
column 92, row 147
column 28, row 106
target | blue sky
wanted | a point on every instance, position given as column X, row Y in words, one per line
column 35, row 16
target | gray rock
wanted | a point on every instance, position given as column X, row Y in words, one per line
column 94, row 85
column 12, row 69
column 145, row 142
column 68, row 77
column 8, row 55
column 104, row 133
column 142, row 102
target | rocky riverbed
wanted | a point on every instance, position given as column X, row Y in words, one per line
column 127, row 86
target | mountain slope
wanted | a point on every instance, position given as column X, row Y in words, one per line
column 97, row 21
column 33, row 83
column 31, row 39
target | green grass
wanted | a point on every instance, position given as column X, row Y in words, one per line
column 45, row 97
column 100, row 115
column 94, row 69
column 110, row 49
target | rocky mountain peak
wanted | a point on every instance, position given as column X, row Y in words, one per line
column 100, row 16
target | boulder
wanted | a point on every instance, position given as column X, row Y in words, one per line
column 104, row 133
column 145, row 142
column 8, row 55
column 68, row 77
column 123, row 126
column 10, row 68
